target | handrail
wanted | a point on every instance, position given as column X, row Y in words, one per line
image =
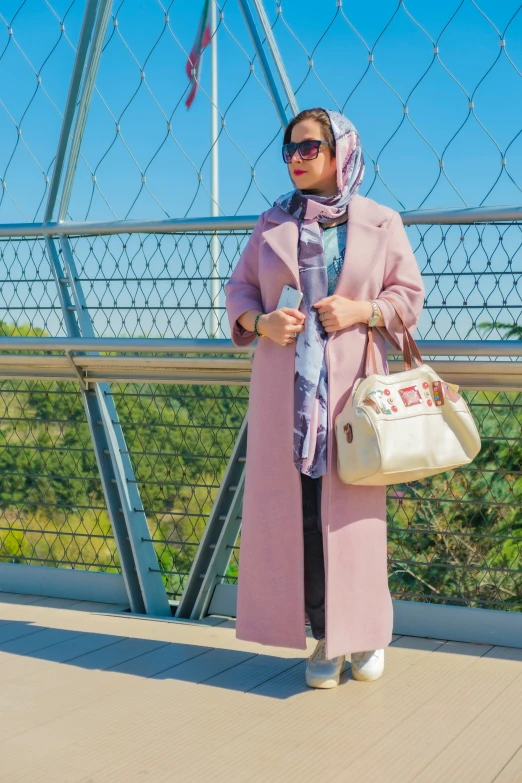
column 243, row 223
column 93, row 360
column 206, row 345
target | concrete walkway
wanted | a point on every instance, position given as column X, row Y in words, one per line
column 90, row 693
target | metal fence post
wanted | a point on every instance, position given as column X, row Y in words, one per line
column 214, row 552
column 101, row 447
column 139, row 564
column 276, row 56
column 258, row 46
column 145, row 562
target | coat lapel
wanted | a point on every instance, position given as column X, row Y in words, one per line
column 282, row 234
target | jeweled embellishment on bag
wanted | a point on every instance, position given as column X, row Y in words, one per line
column 410, row 396
column 437, row 393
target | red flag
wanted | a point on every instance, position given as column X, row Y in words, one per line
column 194, row 61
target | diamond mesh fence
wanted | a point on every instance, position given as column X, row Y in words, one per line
column 455, row 538
column 438, row 85
column 180, row 439
column 52, row 506
column 159, row 285
column 419, row 87
column 29, row 302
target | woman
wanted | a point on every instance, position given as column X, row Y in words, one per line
column 308, row 541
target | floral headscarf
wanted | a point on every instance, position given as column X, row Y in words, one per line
column 310, row 389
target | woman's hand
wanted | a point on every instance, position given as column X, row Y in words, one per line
column 338, row 312
column 281, row 324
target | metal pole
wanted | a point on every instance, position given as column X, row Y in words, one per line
column 85, row 102
column 433, row 217
column 89, row 19
column 201, row 346
column 105, row 228
column 215, row 549
column 145, row 562
column 265, row 67
column 138, row 559
column 214, row 201
column 278, row 60
column 100, row 445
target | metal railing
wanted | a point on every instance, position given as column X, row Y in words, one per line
column 454, row 538
column 180, row 401
column 151, row 278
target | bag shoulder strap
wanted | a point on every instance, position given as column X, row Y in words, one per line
column 410, row 348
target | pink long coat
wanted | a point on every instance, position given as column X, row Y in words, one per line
column 379, row 264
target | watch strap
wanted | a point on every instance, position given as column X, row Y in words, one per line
column 375, row 316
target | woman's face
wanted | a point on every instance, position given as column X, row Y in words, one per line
column 319, row 175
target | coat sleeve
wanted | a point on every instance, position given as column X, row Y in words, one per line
column 402, row 284
column 242, row 290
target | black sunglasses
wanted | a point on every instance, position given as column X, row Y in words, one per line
column 308, row 149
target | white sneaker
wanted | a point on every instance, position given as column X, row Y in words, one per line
column 323, row 672
column 367, row 666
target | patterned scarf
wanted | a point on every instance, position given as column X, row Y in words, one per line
column 310, row 387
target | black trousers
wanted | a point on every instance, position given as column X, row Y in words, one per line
column 314, row 576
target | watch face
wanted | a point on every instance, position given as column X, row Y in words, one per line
column 373, row 320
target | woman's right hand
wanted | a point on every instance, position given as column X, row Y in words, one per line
column 280, row 325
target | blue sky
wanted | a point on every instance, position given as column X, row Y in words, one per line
column 472, row 64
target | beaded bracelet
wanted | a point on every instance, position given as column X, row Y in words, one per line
column 258, row 316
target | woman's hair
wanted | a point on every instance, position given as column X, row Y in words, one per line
column 312, row 114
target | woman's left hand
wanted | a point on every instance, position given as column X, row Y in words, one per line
column 338, row 312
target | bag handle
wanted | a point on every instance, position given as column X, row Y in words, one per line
column 409, row 347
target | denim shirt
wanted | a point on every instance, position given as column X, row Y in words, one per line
column 334, row 242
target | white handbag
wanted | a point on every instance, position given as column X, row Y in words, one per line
column 404, row 426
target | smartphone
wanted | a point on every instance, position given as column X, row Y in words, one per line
column 290, row 297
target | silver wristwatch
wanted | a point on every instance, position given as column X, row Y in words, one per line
column 376, row 315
